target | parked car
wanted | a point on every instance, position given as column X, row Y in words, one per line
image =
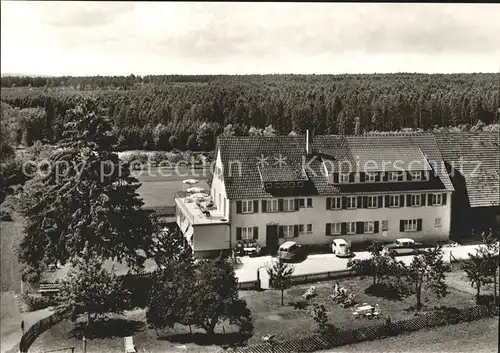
column 290, row 251
column 341, row 248
column 402, row 246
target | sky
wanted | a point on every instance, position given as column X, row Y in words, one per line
column 122, row 38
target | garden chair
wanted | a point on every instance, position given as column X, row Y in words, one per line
column 129, row 344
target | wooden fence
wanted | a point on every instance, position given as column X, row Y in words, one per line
column 40, row 327
column 367, row 333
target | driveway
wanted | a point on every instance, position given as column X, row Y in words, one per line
column 329, row 262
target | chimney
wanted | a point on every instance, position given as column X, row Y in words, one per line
column 308, row 143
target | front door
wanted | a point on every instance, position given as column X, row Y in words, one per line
column 272, row 239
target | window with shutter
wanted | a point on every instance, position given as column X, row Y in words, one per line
column 297, row 204
column 255, row 233
column 280, row 205
column 363, row 177
column 344, row 203
column 238, row 206
column 281, row 232
column 402, row 225
column 351, row 228
column 328, row 203
column 343, row 228
column 336, row 178
column 376, row 224
column 402, row 201
column 386, row 204
column 369, row 227
column 419, row 225
column 295, row 231
column 360, row 202
column 444, row 199
column 359, row 227
column 328, row 229
column 309, row 202
column 301, row 202
column 380, row 201
column 264, row 206
column 238, row 233
column 256, row 206
column 351, row 177
column 423, row 198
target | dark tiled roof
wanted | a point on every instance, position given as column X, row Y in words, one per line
column 281, row 173
column 246, row 153
column 365, row 158
column 475, row 159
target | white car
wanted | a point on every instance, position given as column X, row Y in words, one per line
column 341, row 248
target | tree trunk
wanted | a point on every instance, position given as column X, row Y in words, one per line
column 190, row 330
column 419, row 297
column 495, row 288
column 211, row 327
column 478, row 292
column 282, row 294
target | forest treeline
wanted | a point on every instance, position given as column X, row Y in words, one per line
column 173, row 111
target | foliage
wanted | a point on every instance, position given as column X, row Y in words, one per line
column 169, row 299
column 87, row 204
column 280, row 274
column 171, row 246
column 482, row 267
column 426, row 269
column 202, row 296
column 379, row 266
column 216, row 296
column 34, row 303
column 31, row 274
column 5, row 216
column 91, row 289
column 322, row 103
column 319, row 314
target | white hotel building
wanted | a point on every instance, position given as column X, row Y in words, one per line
column 360, row 188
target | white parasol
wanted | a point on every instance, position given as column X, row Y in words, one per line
column 194, row 189
column 190, row 181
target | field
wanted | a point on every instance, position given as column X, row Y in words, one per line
column 479, row 336
column 286, row 322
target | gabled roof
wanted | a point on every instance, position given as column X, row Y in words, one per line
column 281, row 173
column 242, row 156
column 475, row 160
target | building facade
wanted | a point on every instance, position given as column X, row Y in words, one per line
column 267, row 190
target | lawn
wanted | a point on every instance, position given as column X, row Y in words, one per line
column 159, row 185
column 479, row 336
column 286, row 322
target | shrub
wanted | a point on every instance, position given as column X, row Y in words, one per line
column 5, row 216
column 39, row 302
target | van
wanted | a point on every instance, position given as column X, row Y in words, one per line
column 289, row 251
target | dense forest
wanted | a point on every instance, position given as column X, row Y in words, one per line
column 189, row 112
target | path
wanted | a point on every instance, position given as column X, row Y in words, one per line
column 10, row 326
column 330, row 262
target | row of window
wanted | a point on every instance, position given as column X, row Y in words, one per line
column 337, row 228
column 373, row 177
column 284, row 231
column 342, row 202
column 273, row 205
column 284, row 184
column 412, row 200
column 372, row 227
